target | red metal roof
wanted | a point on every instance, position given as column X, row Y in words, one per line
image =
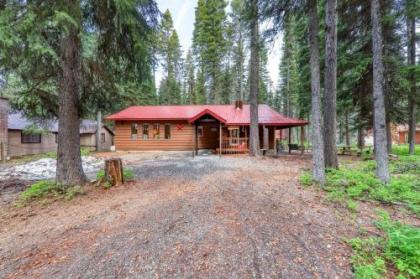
column 226, row 114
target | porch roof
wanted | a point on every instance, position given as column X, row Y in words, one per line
column 227, row 114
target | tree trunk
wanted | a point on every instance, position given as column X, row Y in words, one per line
column 114, row 173
column 98, row 130
column 330, row 85
column 411, row 57
column 254, row 144
column 388, row 136
column 346, row 129
column 69, row 161
column 381, row 154
column 316, row 115
column 360, row 138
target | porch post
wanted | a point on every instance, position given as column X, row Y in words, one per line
column 265, row 137
column 194, row 141
column 220, row 139
column 290, row 140
column 274, row 141
column 302, row 138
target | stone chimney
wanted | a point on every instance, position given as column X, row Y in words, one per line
column 239, row 104
column 4, row 117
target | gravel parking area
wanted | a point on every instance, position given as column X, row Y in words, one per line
column 234, row 217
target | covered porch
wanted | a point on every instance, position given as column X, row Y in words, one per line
column 212, row 133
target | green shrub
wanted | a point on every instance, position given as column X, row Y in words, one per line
column 84, row 151
column 46, row 188
column 352, row 205
column 360, row 182
column 402, row 246
column 399, row 247
column 306, row 179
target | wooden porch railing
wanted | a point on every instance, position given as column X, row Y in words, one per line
column 234, row 145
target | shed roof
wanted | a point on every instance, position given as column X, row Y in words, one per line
column 18, row 121
column 226, row 114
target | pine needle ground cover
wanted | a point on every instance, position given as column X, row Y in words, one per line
column 397, row 250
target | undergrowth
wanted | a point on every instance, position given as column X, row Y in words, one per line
column 360, row 183
column 45, row 189
column 396, row 252
column 398, row 247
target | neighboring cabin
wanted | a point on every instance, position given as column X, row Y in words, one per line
column 403, row 134
column 19, row 141
column 222, row 128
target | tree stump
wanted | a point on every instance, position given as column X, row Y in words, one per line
column 114, row 171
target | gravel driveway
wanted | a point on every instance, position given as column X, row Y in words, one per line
column 206, row 217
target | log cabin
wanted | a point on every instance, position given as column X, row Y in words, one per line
column 222, row 128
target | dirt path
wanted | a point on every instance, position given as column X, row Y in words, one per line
column 183, row 218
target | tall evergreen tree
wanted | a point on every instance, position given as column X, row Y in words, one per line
column 254, row 144
column 330, row 85
column 190, row 78
column 381, row 153
column 45, row 44
column 316, row 115
column 412, row 7
column 170, row 52
column 209, row 43
column 239, row 50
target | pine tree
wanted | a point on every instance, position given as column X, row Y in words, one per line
column 316, row 115
column 330, row 85
column 169, row 50
column 209, row 43
column 65, row 54
column 190, row 79
column 239, row 50
column 254, row 144
column 411, row 9
column 381, row 154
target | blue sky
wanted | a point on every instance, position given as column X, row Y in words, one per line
column 183, row 16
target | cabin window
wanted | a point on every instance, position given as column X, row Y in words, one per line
column 167, row 131
column 200, row 131
column 134, row 131
column 30, row 138
column 102, row 137
column 145, row 131
column 156, row 133
column 234, row 136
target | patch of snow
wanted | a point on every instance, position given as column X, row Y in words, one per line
column 45, row 168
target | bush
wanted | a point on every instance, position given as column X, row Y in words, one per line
column 399, row 247
column 47, row 188
column 361, row 183
column 306, row 179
